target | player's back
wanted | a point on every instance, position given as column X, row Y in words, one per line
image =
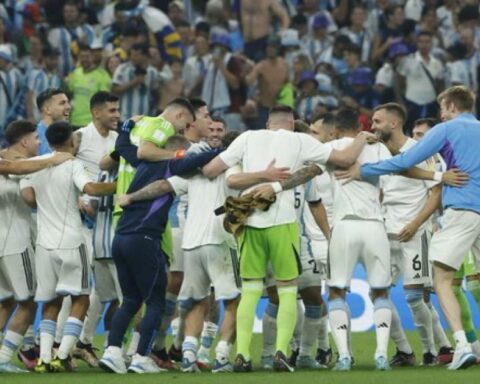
column 358, row 200
column 57, row 190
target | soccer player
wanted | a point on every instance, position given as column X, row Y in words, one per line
column 142, row 274
column 61, row 260
column 273, row 236
column 455, row 139
column 408, row 205
column 96, row 140
column 17, row 266
column 54, row 105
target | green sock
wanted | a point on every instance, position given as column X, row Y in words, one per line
column 286, row 317
column 465, row 312
column 251, row 292
column 474, row 287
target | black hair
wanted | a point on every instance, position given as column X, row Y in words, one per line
column 219, row 119
column 141, row 47
column 46, row 95
column 281, row 109
column 299, row 19
column 17, row 130
column 426, row 120
column 424, row 33
column 347, row 120
column 327, row 118
column 184, row 103
column 355, row 49
column 176, row 142
column 229, row 138
column 202, row 26
column 101, row 98
column 395, row 108
column 197, row 104
column 467, row 13
column 59, row 133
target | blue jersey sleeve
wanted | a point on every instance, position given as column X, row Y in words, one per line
column 192, row 162
column 430, row 145
column 126, row 149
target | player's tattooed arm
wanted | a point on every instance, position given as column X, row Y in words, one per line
column 151, row 191
column 302, row 176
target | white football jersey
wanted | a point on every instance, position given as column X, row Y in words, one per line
column 254, row 150
column 323, row 186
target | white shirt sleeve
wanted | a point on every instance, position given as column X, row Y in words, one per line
column 236, row 169
column 315, row 151
column 234, row 153
column 27, row 182
column 80, row 175
column 312, row 191
column 179, row 185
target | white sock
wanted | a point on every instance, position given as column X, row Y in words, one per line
column 439, row 334
column 222, row 351
column 208, row 335
column 297, row 332
column 170, row 305
column 71, row 333
column 323, row 342
column 349, row 332
column 105, row 340
column 28, row 339
column 311, row 325
column 422, row 317
column 189, row 348
column 47, row 337
column 397, row 333
column 62, row 318
column 382, row 317
column 460, row 338
column 132, row 347
column 338, row 317
column 269, row 329
column 11, row 342
column 94, row 314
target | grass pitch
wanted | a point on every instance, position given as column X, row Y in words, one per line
column 362, row 373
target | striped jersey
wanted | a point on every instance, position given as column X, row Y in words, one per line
column 10, row 91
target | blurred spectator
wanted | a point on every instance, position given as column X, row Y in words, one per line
column 176, row 12
column 271, row 75
column 335, row 55
column 83, row 83
column 420, row 78
column 446, row 15
column 41, row 78
column 361, row 96
column 384, row 80
column 195, row 67
column 308, row 97
column 112, row 63
column 256, row 17
column 11, row 83
column 320, row 40
column 134, row 82
column 223, row 87
column 389, row 34
column 301, row 63
column 173, row 87
column 358, row 34
column 5, row 40
column 67, row 37
column 186, row 38
column 34, row 58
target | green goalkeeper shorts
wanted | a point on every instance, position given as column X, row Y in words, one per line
column 468, row 267
column 278, row 245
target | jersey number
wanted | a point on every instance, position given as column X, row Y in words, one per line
column 298, row 201
column 416, row 263
column 315, row 266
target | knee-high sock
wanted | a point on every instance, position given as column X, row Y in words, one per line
column 466, row 314
column 29, row 339
column 311, row 326
column 397, row 333
column 338, row 316
column 251, row 292
column 183, row 308
column 94, row 314
column 11, row 342
column 323, row 342
column 170, row 305
column 439, row 335
column 47, row 338
column 382, row 317
column 297, row 331
column 71, row 333
column 62, row 318
column 422, row 317
column 269, row 329
column 287, row 316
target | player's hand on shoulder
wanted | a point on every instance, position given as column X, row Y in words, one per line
column 352, row 173
column 370, row 137
column 455, row 178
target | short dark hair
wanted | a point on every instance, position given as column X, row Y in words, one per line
column 184, row 103
column 17, row 130
column 281, row 109
column 229, row 138
column 424, row 33
column 101, row 98
column 300, row 126
column 431, row 122
column 46, row 95
column 176, row 142
column 327, row 118
column 354, row 48
column 58, row 133
column 197, row 104
column 395, row 108
column 346, row 119
column 219, row 119
column 141, row 47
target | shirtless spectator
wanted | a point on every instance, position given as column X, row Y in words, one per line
column 271, row 74
column 256, row 18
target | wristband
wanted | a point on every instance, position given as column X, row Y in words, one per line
column 277, row 187
column 438, row 176
column 180, row 153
